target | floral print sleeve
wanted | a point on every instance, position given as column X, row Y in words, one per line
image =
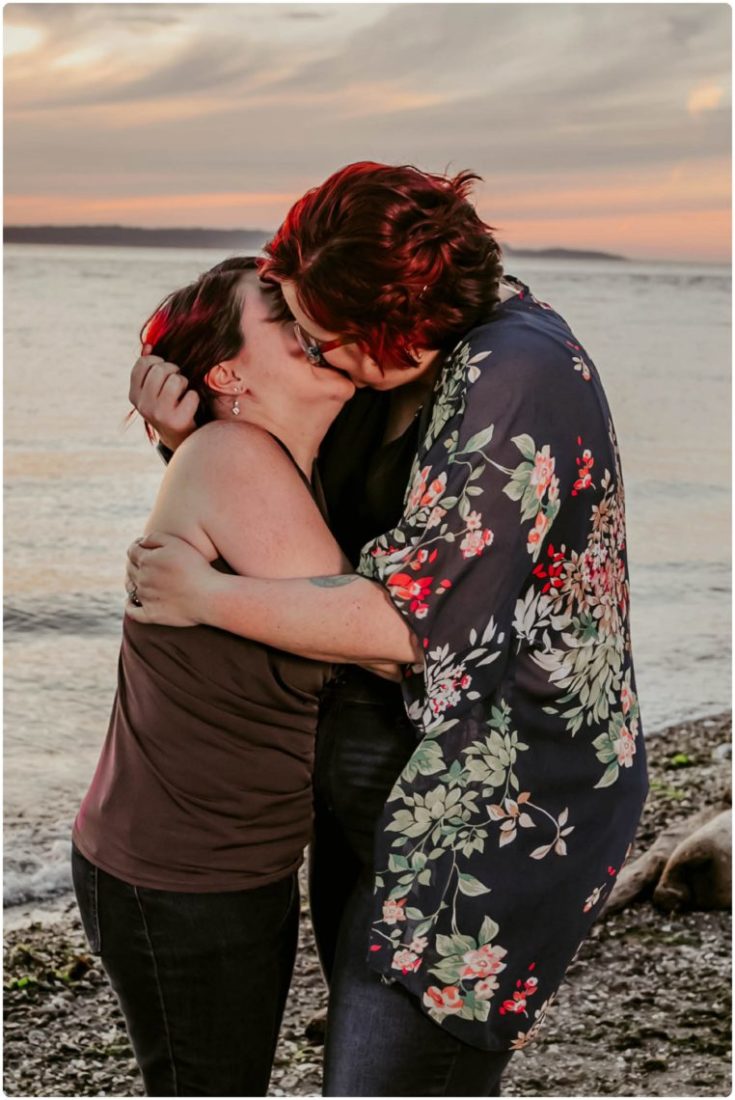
column 502, row 835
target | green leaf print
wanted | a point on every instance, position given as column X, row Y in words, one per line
column 471, row 886
column 488, row 931
column 609, row 776
column 427, row 759
column 526, row 446
column 478, row 441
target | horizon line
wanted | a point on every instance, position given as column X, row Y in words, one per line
column 267, row 233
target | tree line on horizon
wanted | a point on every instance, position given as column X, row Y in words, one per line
column 247, row 240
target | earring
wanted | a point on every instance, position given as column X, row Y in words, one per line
column 236, row 407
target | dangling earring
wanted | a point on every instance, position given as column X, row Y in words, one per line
column 236, row 407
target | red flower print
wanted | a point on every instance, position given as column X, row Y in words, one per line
column 551, row 573
column 445, row 1000
column 482, row 963
column 584, row 473
column 418, row 488
column 406, row 961
column 536, row 534
column 626, row 698
column 517, row 1003
column 407, row 587
column 625, row 748
column 543, row 471
column 393, row 911
column 485, row 988
column 475, row 542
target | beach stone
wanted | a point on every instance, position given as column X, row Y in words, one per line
column 645, row 991
column 316, row 1027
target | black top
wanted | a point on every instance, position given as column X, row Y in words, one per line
column 364, row 480
column 365, row 484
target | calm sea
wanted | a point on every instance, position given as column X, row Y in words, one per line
column 78, row 488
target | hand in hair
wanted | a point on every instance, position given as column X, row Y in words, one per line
column 161, row 395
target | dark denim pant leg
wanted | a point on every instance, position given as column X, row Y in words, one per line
column 379, row 1041
column 202, row 979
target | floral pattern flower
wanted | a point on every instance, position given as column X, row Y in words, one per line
column 483, row 961
column 510, row 566
column 475, row 542
column 393, row 911
column 442, row 1001
column 406, row 961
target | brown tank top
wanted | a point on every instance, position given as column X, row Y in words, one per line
column 204, row 779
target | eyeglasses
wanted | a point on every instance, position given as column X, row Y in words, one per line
column 314, row 349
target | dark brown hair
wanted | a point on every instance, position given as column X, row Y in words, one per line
column 198, row 326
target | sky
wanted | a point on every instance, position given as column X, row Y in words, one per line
column 600, row 126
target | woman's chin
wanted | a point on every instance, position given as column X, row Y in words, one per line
column 336, row 382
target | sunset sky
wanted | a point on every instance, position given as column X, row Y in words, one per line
column 602, row 126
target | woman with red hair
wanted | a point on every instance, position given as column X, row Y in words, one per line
column 471, row 817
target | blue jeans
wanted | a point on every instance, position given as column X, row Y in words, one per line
column 202, row 979
column 379, row 1041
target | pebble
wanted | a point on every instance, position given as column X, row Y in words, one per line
column 638, row 1016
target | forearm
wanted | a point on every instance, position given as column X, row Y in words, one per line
column 341, row 619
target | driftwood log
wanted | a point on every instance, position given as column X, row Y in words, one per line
column 689, row 866
column 698, row 874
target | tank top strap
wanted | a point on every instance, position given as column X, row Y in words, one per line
column 314, row 485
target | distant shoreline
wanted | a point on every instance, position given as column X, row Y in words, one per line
column 123, row 236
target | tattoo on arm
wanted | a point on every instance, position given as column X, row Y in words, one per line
column 334, row 582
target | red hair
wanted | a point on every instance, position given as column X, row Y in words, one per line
column 397, row 258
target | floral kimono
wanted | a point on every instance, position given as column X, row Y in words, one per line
column 503, row 835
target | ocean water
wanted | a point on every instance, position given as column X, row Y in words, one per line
column 78, row 487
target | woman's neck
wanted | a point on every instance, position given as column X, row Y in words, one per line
column 301, row 434
column 405, row 401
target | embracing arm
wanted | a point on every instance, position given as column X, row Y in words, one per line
column 159, row 393
column 343, row 618
column 253, row 509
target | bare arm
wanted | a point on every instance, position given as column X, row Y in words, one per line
column 160, row 394
column 231, row 491
column 340, row 618
column 246, row 502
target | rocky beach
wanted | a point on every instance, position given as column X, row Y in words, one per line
column 644, row 1010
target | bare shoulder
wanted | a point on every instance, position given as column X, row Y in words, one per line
column 244, row 450
column 253, row 506
column 225, row 438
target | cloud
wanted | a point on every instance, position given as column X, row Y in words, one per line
column 707, row 97
column 541, row 99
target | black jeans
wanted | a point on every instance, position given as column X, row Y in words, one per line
column 202, row 979
column 379, row 1041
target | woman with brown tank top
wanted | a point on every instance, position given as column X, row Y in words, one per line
column 187, row 843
